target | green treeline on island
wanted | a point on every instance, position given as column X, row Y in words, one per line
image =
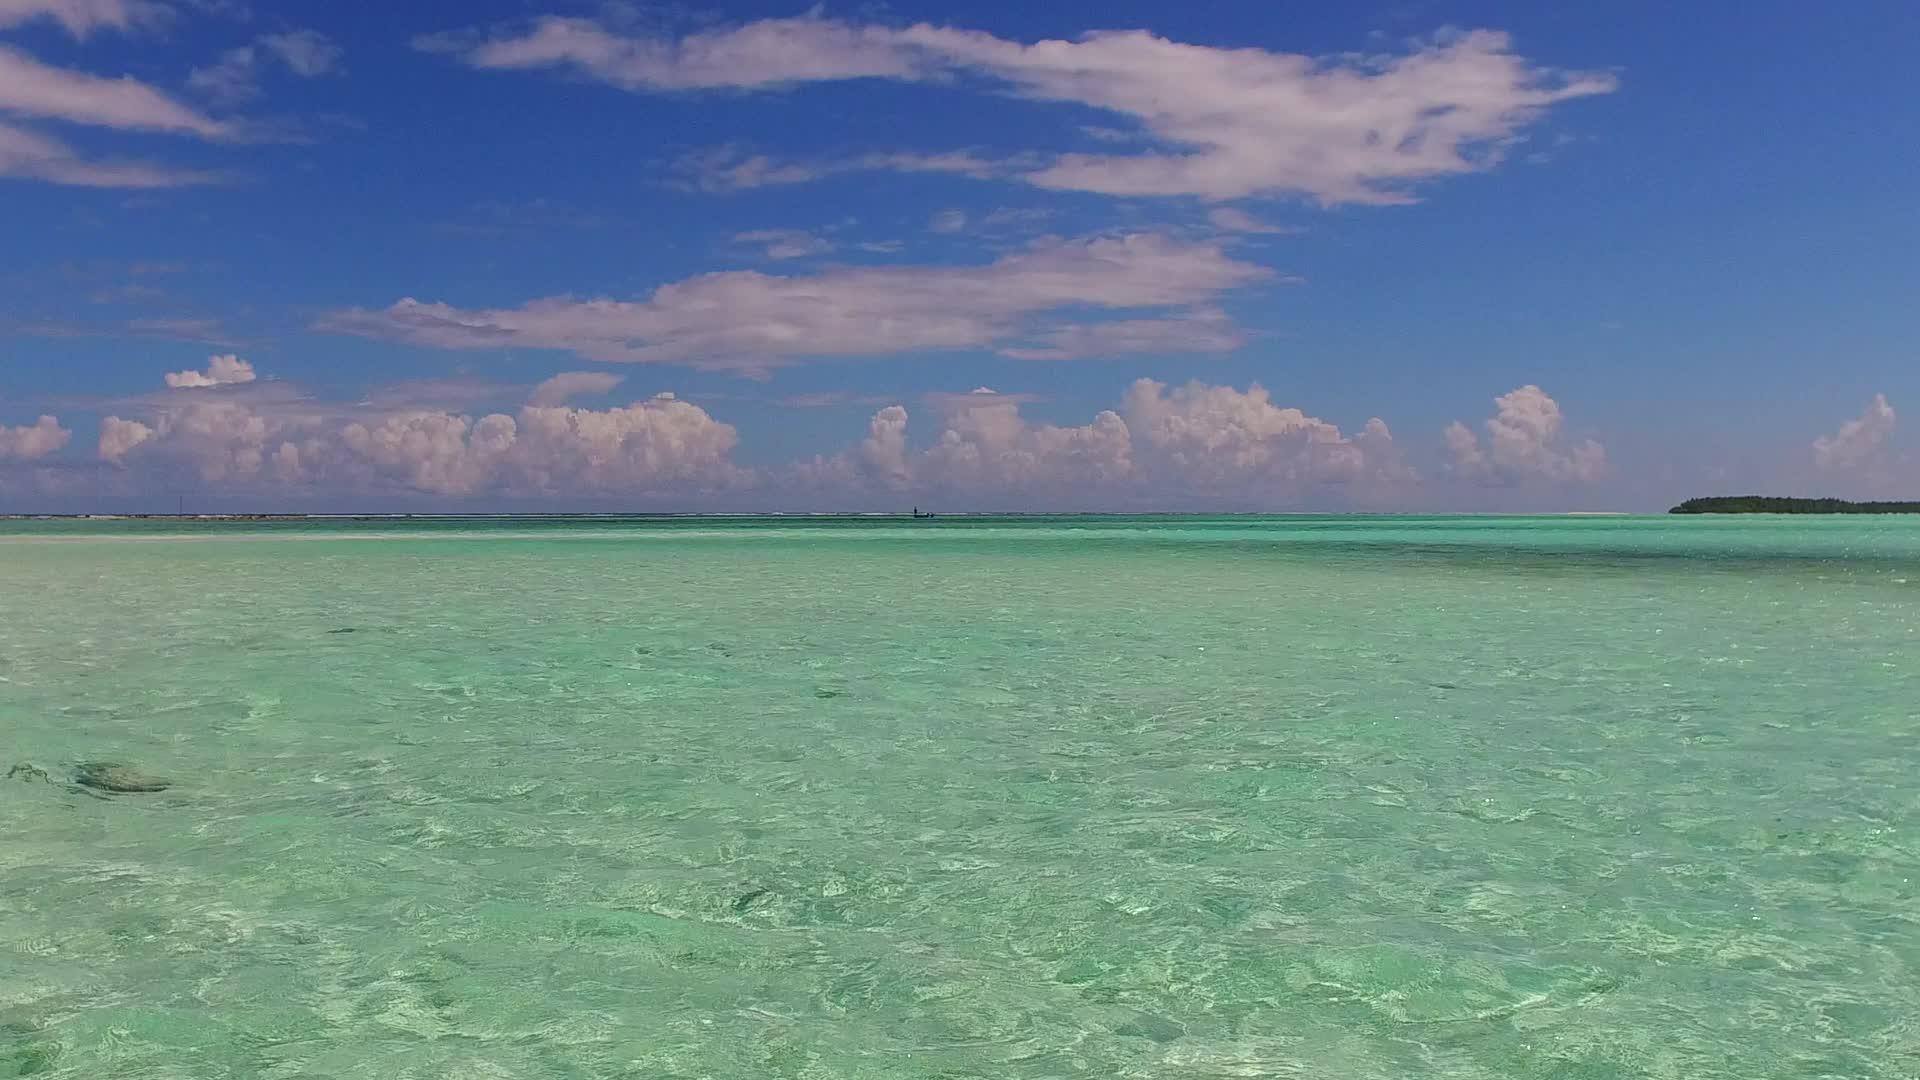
column 1766, row 504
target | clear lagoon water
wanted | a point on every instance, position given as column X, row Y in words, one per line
column 998, row 798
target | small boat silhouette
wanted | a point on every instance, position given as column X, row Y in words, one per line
column 918, row 514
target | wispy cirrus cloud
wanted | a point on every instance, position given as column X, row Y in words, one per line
column 29, row 88
column 746, row 320
column 768, row 53
column 206, row 331
column 1231, row 219
column 980, row 397
column 202, row 331
column 950, row 220
column 235, row 77
column 493, row 218
column 729, row 168
column 826, row 399
column 1197, row 330
column 785, row 243
column 228, row 378
column 307, row 53
column 1216, row 123
column 32, row 90
column 29, row 155
column 447, row 393
column 81, row 17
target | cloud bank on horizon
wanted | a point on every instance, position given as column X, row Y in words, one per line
column 1194, row 445
column 1105, row 227
column 1189, row 445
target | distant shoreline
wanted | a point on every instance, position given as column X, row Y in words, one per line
column 800, row 515
column 1768, row 504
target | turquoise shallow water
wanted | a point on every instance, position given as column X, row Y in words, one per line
column 1288, row 797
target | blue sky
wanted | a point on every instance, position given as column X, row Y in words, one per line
column 1394, row 256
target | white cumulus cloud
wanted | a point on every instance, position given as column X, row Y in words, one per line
column 1860, row 442
column 568, row 385
column 1523, row 443
column 118, row 437
column 33, row 441
column 1203, row 438
column 1197, row 444
column 986, row 447
column 287, row 444
column 226, row 370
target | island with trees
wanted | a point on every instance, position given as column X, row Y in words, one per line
column 1767, row 504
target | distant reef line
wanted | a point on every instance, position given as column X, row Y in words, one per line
column 1768, row 504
